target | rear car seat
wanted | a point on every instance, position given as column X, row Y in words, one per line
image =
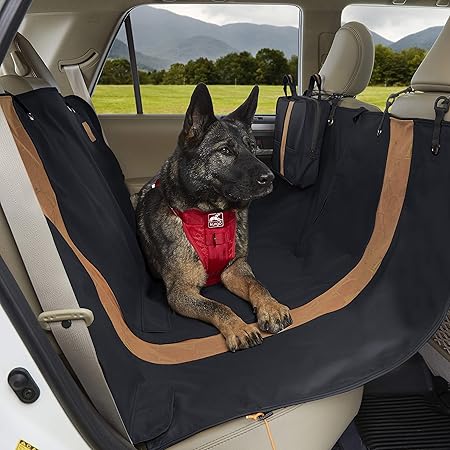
column 430, row 81
column 311, row 426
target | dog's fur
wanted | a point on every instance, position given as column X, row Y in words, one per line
column 213, row 168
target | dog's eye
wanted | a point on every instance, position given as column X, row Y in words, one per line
column 226, row 150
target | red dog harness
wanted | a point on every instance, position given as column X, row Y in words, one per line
column 213, row 236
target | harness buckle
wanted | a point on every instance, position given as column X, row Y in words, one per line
column 65, row 316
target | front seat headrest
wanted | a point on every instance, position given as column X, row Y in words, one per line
column 433, row 74
column 349, row 64
column 431, row 80
column 23, row 69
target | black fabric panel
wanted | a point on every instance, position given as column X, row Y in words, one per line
column 91, row 194
column 104, row 158
column 301, row 243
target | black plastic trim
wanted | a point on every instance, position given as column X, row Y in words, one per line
column 133, row 64
column 11, row 15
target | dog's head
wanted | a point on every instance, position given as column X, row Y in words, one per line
column 218, row 155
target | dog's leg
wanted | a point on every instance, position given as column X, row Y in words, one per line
column 188, row 302
column 240, row 280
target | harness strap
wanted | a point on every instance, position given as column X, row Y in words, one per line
column 213, row 236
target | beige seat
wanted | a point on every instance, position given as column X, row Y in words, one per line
column 308, row 426
column 311, row 426
column 349, row 64
column 430, row 81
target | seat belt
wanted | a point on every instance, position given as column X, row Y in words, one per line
column 77, row 83
column 62, row 313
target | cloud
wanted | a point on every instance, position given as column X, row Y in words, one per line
column 395, row 22
column 280, row 15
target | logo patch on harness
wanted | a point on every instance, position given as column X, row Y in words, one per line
column 215, row 220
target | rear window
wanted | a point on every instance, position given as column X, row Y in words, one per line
column 402, row 36
column 228, row 47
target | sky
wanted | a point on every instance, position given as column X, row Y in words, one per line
column 391, row 22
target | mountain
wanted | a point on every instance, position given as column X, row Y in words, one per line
column 378, row 39
column 196, row 46
column 163, row 38
column 167, row 37
column 422, row 39
column 120, row 50
column 252, row 37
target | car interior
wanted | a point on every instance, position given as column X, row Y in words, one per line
column 58, row 53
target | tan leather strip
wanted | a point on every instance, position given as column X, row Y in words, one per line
column 287, row 119
column 89, row 132
column 338, row 296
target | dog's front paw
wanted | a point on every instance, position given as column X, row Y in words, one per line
column 242, row 336
column 273, row 316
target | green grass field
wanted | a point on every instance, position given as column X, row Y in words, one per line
column 167, row 99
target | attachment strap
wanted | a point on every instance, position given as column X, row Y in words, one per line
column 258, row 417
column 315, row 79
column 334, row 100
column 389, row 102
column 441, row 107
column 288, row 80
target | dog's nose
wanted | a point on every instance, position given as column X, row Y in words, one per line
column 265, row 178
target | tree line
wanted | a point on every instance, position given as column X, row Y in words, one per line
column 393, row 68
column 268, row 66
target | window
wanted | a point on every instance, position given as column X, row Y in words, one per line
column 402, row 36
column 171, row 48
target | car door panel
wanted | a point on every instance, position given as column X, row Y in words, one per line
column 142, row 142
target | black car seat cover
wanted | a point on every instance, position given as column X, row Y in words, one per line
column 302, row 243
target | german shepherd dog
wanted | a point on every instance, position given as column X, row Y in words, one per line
column 213, row 168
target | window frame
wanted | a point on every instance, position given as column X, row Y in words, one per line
column 133, row 64
column 126, row 20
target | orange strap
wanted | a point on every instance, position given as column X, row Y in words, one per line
column 261, row 416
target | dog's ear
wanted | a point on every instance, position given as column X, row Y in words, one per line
column 199, row 116
column 246, row 111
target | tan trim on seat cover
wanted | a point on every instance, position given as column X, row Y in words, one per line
column 287, row 119
column 341, row 294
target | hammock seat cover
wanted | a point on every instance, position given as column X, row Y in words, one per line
column 362, row 258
